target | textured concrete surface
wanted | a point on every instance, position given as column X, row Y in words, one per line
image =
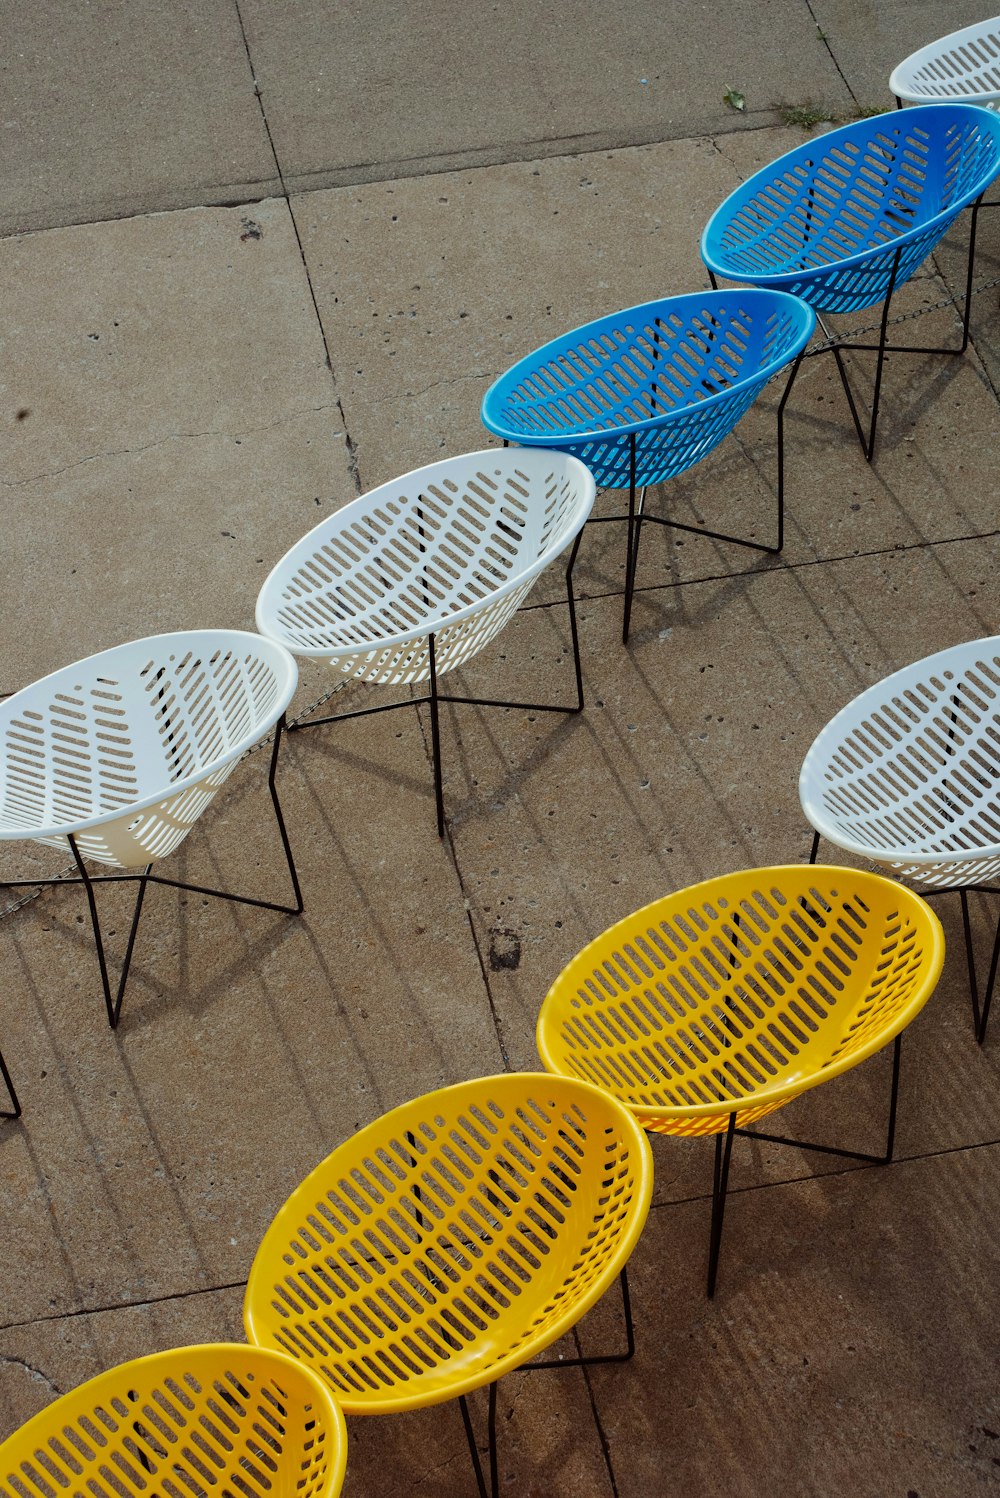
column 119, row 107
column 170, row 424
column 439, row 84
column 869, row 39
column 425, row 198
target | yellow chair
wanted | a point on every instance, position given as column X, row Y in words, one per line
column 451, row 1240
column 712, row 1007
column 222, row 1417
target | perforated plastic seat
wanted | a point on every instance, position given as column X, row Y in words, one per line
column 962, row 67
column 714, row 1006
column 115, row 757
column 826, row 221
column 236, row 1420
column 908, row 775
column 451, row 1240
column 844, row 220
column 642, row 395
column 414, row 579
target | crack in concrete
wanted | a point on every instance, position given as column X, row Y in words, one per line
column 352, row 451
column 713, row 142
column 431, row 1472
column 119, row 452
column 385, row 400
column 7, row 1360
column 826, row 43
column 124, row 1305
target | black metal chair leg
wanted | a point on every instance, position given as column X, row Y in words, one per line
column 815, row 848
column 14, row 1103
column 494, row 1465
column 436, row 738
column 278, row 729
column 631, row 556
column 781, row 450
column 893, row 1099
column 113, row 1005
column 137, row 912
column 867, row 439
column 978, row 1021
column 969, row 272
column 990, row 984
column 720, row 1184
column 606, row 1357
column 470, row 1436
column 571, row 602
column 880, row 363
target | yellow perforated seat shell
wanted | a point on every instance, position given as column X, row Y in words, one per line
column 738, row 994
column 222, row 1419
column 452, row 1239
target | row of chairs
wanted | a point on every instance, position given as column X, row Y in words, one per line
column 835, row 226
column 461, row 1235
column 115, row 757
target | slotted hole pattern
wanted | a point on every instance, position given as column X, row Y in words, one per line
column 964, row 65
column 914, row 764
column 708, row 1002
column 650, row 375
column 229, row 1433
column 870, row 187
column 100, row 736
column 401, row 562
column 447, row 1242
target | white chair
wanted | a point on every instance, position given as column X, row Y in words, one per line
column 908, row 775
column 116, row 757
column 413, row 579
column 960, row 68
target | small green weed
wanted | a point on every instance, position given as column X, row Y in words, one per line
column 806, row 115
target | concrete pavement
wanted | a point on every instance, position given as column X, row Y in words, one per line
column 259, row 259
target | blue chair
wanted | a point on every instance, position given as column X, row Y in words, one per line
column 844, row 220
column 642, row 395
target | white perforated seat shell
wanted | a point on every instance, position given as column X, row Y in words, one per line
column 960, row 68
column 127, row 748
column 908, row 774
column 451, row 550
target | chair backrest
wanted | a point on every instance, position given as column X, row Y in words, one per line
column 826, row 220
column 452, row 549
column 909, row 772
column 679, row 373
column 963, row 66
column 452, row 1239
column 225, row 1418
column 126, row 749
column 736, row 994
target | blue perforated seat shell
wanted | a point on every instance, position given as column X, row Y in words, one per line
column 677, row 374
column 824, row 221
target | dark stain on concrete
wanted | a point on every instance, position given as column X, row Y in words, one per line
column 505, row 949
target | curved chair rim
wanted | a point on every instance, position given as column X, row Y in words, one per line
column 780, row 1091
column 285, row 668
column 696, row 300
column 815, row 756
column 112, row 1379
column 766, row 174
column 269, row 598
column 479, row 1378
column 897, row 84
